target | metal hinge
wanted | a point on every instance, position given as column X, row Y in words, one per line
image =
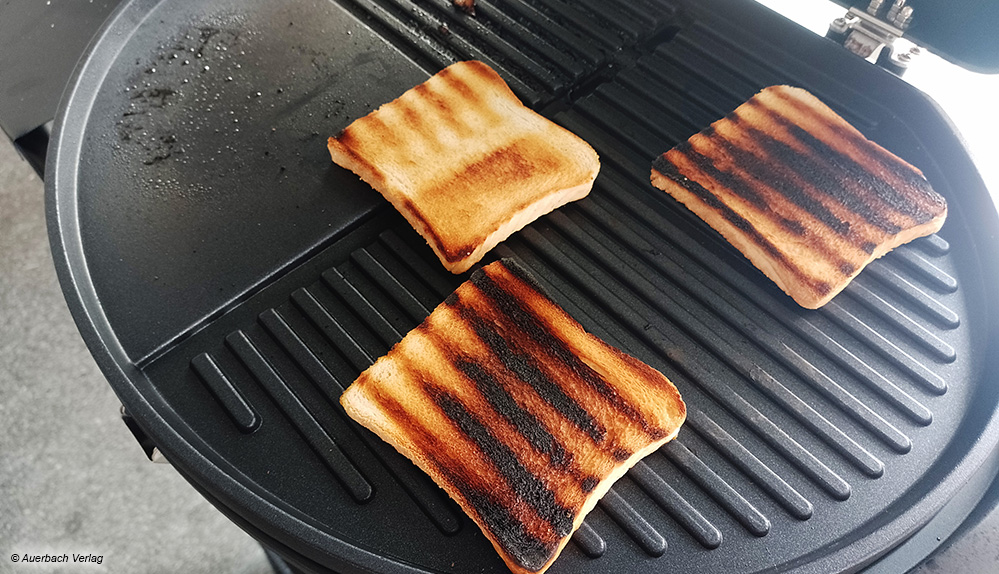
column 864, row 32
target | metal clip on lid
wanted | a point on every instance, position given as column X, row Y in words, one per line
column 863, row 32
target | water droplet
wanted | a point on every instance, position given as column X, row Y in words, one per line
column 228, row 78
column 205, row 69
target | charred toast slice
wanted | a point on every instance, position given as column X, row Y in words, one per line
column 800, row 192
column 522, row 416
column 465, row 161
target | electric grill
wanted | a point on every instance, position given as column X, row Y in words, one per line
column 231, row 281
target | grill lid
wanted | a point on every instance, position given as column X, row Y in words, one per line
column 231, row 281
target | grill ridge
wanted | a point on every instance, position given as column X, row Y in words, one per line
column 688, row 517
column 242, row 414
column 783, row 493
column 418, row 264
column 539, row 23
column 322, row 443
column 629, row 519
column 727, row 497
column 857, row 327
column 930, row 343
column 587, row 539
column 424, row 493
column 917, row 299
column 927, row 271
column 933, row 245
column 353, row 298
column 334, row 332
column 387, row 281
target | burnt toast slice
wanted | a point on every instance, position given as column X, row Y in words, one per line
column 522, row 416
column 465, row 161
column 800, row 192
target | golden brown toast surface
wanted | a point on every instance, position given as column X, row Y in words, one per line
column 803, row 194
column 523, row 417
column 465, row 162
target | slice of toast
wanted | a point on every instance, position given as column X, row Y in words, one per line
column 522, row 416
column 800, row 192
column 465, row 161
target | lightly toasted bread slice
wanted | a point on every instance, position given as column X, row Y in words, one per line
column 800, row 192
column 522, row 416
column 465, row 161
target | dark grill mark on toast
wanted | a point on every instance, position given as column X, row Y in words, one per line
column 525, row 548
column 523, row 367
column 870, row 188
column 525, row 422
column 621, row 454
column 589, row 483
column 527, row 322
column 743, row 188
column 667, row 169
column 815, row 170
column 921, row 206
column 529, row 487
column 778, row 179
column 529, row 552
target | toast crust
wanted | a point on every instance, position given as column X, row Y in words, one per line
column 800, row 192
column 523, row 417
column 465, row 162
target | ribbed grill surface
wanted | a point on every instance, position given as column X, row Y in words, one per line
column 540, row 47
column 802, row 425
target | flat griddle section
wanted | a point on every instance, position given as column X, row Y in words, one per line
column 249, row 281
column 805, row 428
column 204, row 170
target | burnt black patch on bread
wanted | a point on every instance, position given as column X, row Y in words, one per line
column 526, row 549
column 667, row 169
column 526, row 321
column 528, row 486
column 524, row 368
column 526, row 423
